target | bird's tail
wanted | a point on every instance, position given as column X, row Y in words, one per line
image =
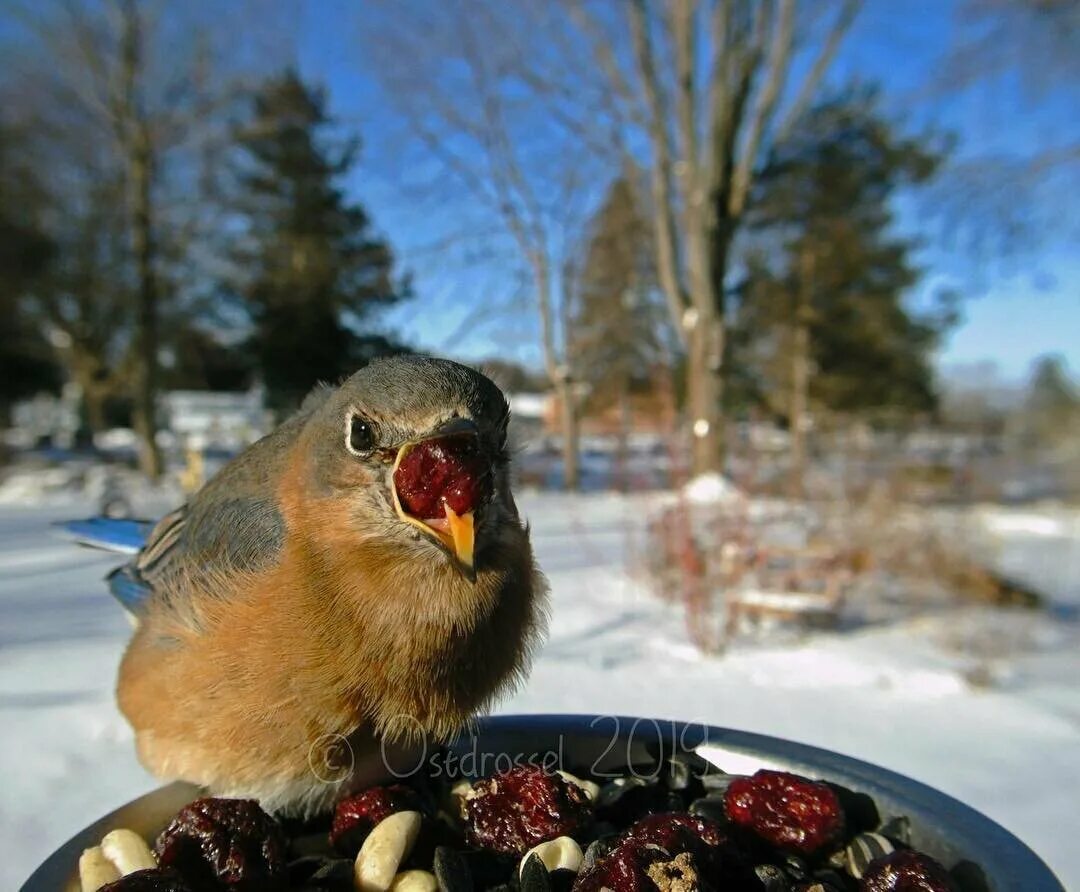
column 122, row 537
column 107, row 533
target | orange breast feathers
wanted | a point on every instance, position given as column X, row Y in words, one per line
column 344, row 631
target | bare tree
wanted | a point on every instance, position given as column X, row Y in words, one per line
column 697, row 90
column 801, row 360
column 128, row 97
column 1005, row 205
column 712, row 107
column 454, row 74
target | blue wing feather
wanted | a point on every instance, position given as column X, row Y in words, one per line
column 128, row 588
column 123, row 537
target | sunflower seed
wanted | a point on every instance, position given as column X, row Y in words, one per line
column 863, row 849
column 772, row 878
column 534, row 876
column 451, row 870
column 561, row 853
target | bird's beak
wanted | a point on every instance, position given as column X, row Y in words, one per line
column 456, row 533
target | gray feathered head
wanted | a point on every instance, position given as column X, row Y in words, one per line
column 422, row 444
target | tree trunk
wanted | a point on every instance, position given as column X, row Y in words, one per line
column 704, row 393
column 94, row 405
column 800, row 375
column 569, row 424
column 622, row 461
column 133, row 131
column 706, row 343
column 145, row 407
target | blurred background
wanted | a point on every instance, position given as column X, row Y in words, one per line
column 783, row 294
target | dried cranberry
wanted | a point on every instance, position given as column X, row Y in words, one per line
column 790, row 812
column 677, row 831
column 225, row 844
column 148, row 881
column 520, row 808
column 447, row 469
column 668, row 851
column 356, row 817
column 906, row 871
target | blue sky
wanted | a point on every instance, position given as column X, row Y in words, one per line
column 1022, row 302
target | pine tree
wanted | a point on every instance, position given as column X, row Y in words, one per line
column 823, row 305
column 26, row 254
column 315, row 270
column 1051, row 410
column 620, row 320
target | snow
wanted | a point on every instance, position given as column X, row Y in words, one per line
column 905, row 695
column 1025, row 524
column 795, row 602
column 708, row 489
column 529, row 405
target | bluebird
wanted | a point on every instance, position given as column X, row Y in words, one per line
column 357, row 578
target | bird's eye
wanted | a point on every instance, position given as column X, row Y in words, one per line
column 361, row 434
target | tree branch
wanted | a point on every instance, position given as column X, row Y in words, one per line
column 778, row 63
column 821, row 65
column 667, row 251
column 683, row 13
column 605, row 56
column 719, row 87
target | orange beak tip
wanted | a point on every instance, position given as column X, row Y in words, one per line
column 462, row 530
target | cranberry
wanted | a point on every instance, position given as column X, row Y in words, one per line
column 449, row 470
column 225, row 844
column 672, row 852
column 906, row 871
column 790, row 812
column 356, row 816
column 677, row 831
column 520, row 808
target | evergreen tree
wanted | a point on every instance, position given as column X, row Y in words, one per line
column 1051, row 410
column 823, row 306
column 315, row 270
column 201, row 361
column 26, row 253
column 620, row 321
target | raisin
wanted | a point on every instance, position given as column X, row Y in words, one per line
column 790, row 812
column 225, row 844
column 520, row 808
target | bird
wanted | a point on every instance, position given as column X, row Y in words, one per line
column 360, row 576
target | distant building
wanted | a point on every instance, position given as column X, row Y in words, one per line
column 529, row 413
column 200, row 418
column 45, row 418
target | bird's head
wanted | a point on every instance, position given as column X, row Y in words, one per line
column 416, row 448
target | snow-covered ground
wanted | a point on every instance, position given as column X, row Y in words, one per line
column 895, row 694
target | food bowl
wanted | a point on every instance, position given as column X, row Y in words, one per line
column 985, row 855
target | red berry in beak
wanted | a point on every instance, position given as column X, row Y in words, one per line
column 443, row 470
